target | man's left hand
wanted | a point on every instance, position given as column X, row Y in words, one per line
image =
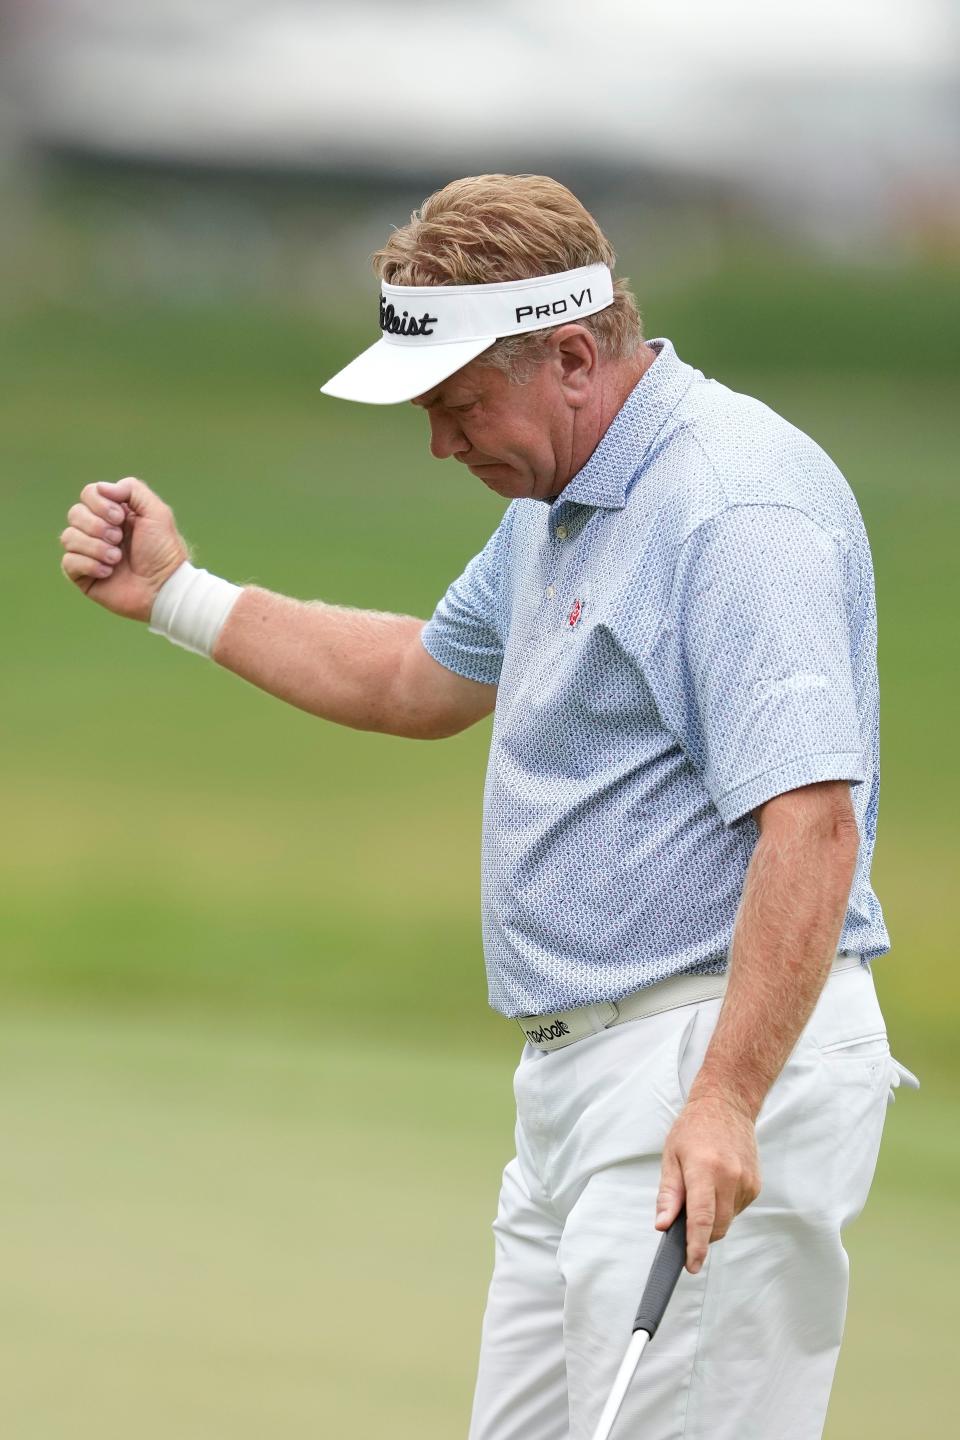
column 710, row 1163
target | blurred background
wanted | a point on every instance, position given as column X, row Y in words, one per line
column 247, row 1179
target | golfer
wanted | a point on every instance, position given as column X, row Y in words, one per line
column 674, row 627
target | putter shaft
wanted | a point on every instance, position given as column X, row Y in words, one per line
column 621, row 1385
column 664, row 1274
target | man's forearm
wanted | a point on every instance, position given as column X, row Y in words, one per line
column 343, row 665
column 785, row 938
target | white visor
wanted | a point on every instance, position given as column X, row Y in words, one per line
column 429, row 331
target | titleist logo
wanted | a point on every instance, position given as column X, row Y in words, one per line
column 547, row 1032
column 555, row 307
column 405, row 324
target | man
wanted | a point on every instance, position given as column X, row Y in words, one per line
column 674, row 623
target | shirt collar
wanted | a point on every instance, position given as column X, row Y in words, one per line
column 605, row 479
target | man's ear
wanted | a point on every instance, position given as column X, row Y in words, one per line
column 577, row 359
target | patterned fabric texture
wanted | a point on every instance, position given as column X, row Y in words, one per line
column 687, row 630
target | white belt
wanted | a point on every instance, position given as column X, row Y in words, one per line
column 563, row 1027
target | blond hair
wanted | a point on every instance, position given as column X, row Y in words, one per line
column 510, row 227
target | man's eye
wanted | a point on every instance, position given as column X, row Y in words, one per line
column 463, row 409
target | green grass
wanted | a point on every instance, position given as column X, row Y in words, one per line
column 213, row 1231
column 232, row 1229
column 216, row 913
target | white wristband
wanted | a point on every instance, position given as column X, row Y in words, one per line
column 191, row 607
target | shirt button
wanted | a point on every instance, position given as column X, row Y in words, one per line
column 562, row 532
column 550, row 592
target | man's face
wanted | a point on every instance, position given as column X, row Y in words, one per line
column 518, row 439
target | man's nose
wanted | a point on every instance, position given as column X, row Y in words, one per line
column 446, row 437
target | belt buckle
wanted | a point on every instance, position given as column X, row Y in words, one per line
column 539, row 1029
column 592, row 1019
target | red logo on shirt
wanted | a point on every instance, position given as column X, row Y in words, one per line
column 575, row 613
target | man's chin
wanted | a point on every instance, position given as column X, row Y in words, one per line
column 503, row 479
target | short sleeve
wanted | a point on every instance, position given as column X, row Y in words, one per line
column 466, row 631
column 751, row 665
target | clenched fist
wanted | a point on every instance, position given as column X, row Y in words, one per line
column 121, row 545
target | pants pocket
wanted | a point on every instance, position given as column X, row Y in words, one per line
column 694, row 1040
column 857, row 1046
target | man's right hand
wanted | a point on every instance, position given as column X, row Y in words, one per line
column 354, row 667
column 121, row 544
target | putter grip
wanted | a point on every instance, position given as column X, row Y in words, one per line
column 664, row 1274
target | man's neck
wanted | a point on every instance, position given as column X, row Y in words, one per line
column 624, row 377
column 616, row 381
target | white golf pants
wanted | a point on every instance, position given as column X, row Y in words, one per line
column 748, row 1347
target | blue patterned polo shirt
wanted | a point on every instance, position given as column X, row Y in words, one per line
column 687, row 630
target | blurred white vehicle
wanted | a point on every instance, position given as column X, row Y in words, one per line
column 848, row 107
